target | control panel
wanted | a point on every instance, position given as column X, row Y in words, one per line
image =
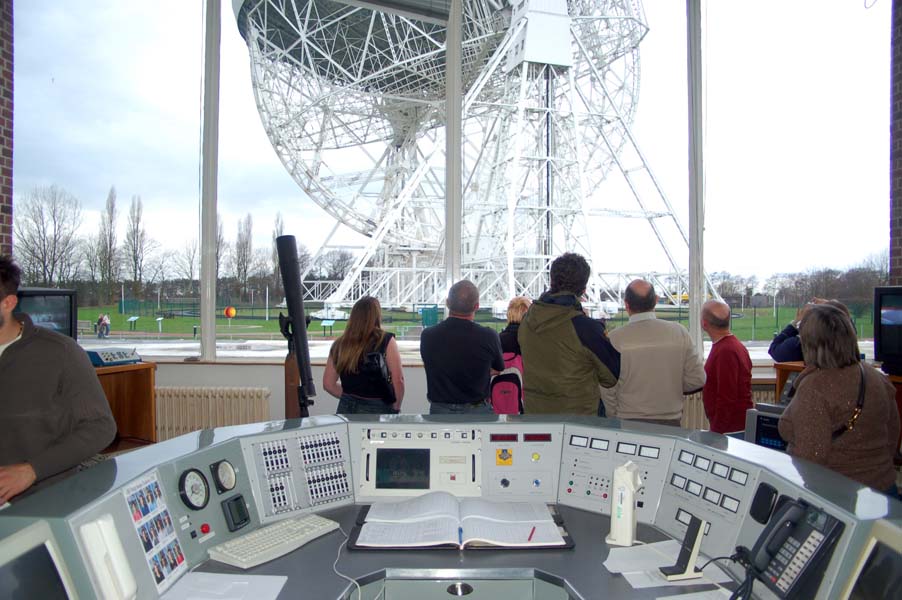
column 711, row 486
column 590, row 456
column 298, row 470
column 398, row 460
column 521, row 461
column 108, row 357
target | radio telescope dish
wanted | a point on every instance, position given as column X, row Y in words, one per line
column 353, row 102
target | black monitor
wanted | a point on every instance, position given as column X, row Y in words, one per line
column 888, row 328
column 877, row 572
column 31, row 565
column 761, row 426
column 52, row 308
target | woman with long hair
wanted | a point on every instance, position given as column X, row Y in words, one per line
column 843, row 414
column 345, row 378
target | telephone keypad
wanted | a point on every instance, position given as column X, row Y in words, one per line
column 792, row 558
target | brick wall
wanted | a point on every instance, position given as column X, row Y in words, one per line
column 895, row 153
column 6, row 126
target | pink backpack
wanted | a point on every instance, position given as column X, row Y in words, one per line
column 507, row 386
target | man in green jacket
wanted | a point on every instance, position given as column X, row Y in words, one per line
column 566, row 354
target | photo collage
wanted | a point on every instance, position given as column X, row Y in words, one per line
column 155, row 529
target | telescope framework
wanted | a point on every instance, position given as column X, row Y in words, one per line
column 353, row 101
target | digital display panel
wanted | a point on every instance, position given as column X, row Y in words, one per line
column 740, row 477
column 649, row 451
column 730, row 503
column 402, row 468
column 579, row 440
column 503, row 437
column 626, row 448
column 536, row 437
column 598, row 444
column 881, row 576
column 721, row 470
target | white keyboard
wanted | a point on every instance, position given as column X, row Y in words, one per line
column 272, row 541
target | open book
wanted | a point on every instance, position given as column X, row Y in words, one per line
column 440, row 519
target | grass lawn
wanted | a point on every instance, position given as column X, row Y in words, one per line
column 748, row 324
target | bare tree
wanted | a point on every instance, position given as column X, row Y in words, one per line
column 138, row 246
column 244, row 251
column 335, row 264
column 108, row 250
column 222, row 247
column 187, row 263
column 277, row 231
column 46, row 244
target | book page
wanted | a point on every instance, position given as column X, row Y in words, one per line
column 541, row 533
column 505, row 512
column 427, row 506
column 432, row 532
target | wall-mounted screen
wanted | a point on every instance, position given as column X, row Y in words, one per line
column 31, row 567
column 402, row 469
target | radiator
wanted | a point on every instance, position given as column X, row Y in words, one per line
column 694, row 411
column 182, row 410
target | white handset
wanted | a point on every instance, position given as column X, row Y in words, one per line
column 112, row 573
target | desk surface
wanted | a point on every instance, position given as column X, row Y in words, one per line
column 310, row 575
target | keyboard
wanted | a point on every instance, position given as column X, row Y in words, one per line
column 272, row 541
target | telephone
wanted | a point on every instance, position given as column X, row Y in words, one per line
column 107, row 561
column 798, row 538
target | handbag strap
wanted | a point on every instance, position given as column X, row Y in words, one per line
column 850, row 424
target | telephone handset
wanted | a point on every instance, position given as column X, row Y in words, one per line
column 797, row 539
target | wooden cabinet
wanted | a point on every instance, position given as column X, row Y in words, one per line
column 130, row 391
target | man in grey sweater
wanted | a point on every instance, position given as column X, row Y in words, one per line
column 53, row 412
column 659, row 364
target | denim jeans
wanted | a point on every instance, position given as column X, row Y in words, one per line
column 446, row 408
column 349, row 405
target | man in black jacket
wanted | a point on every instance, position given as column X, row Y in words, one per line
column 460, row 356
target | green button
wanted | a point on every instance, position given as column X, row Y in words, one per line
column 571, row 482
column 588, row 492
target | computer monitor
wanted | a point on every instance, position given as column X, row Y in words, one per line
column 888, row 328
column 878, row 569
column 761, row 426
column 52, row 308
column 31, row 565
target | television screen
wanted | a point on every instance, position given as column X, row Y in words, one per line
column 50, row 308
column 32, row 575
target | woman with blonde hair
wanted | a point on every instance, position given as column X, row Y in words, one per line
column 507, row 388
column 516, row 310
column 358, row 389
column 843, row 414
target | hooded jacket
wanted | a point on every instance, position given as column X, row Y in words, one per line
column 566, row 356
column 54, row 413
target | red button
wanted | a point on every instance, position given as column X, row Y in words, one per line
column 205, row 529
column 605, row 495
column 569, row 490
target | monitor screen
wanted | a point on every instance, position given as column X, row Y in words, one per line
column 402, row 469
column 881, row 575
column 31, row 567
column 767, row 432
column 50, row 308
column 888, row 327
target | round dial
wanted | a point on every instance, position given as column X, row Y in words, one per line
column 224, row 476
column 194, row 489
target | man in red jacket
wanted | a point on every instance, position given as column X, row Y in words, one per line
column 728, row 372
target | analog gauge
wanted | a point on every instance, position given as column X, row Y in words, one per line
column 194, row 489
column 223, row 476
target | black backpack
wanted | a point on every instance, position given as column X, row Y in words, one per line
column 375, row 368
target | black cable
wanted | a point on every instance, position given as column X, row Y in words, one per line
column 702, row 568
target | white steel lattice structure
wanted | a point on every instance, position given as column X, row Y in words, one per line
column 353, row 101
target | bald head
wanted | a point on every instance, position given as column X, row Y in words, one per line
column 640, row 297
column 716, row 314
column 463, row 298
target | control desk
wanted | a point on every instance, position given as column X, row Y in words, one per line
column 114, row 527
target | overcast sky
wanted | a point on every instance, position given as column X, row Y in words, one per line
column 797, row 156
